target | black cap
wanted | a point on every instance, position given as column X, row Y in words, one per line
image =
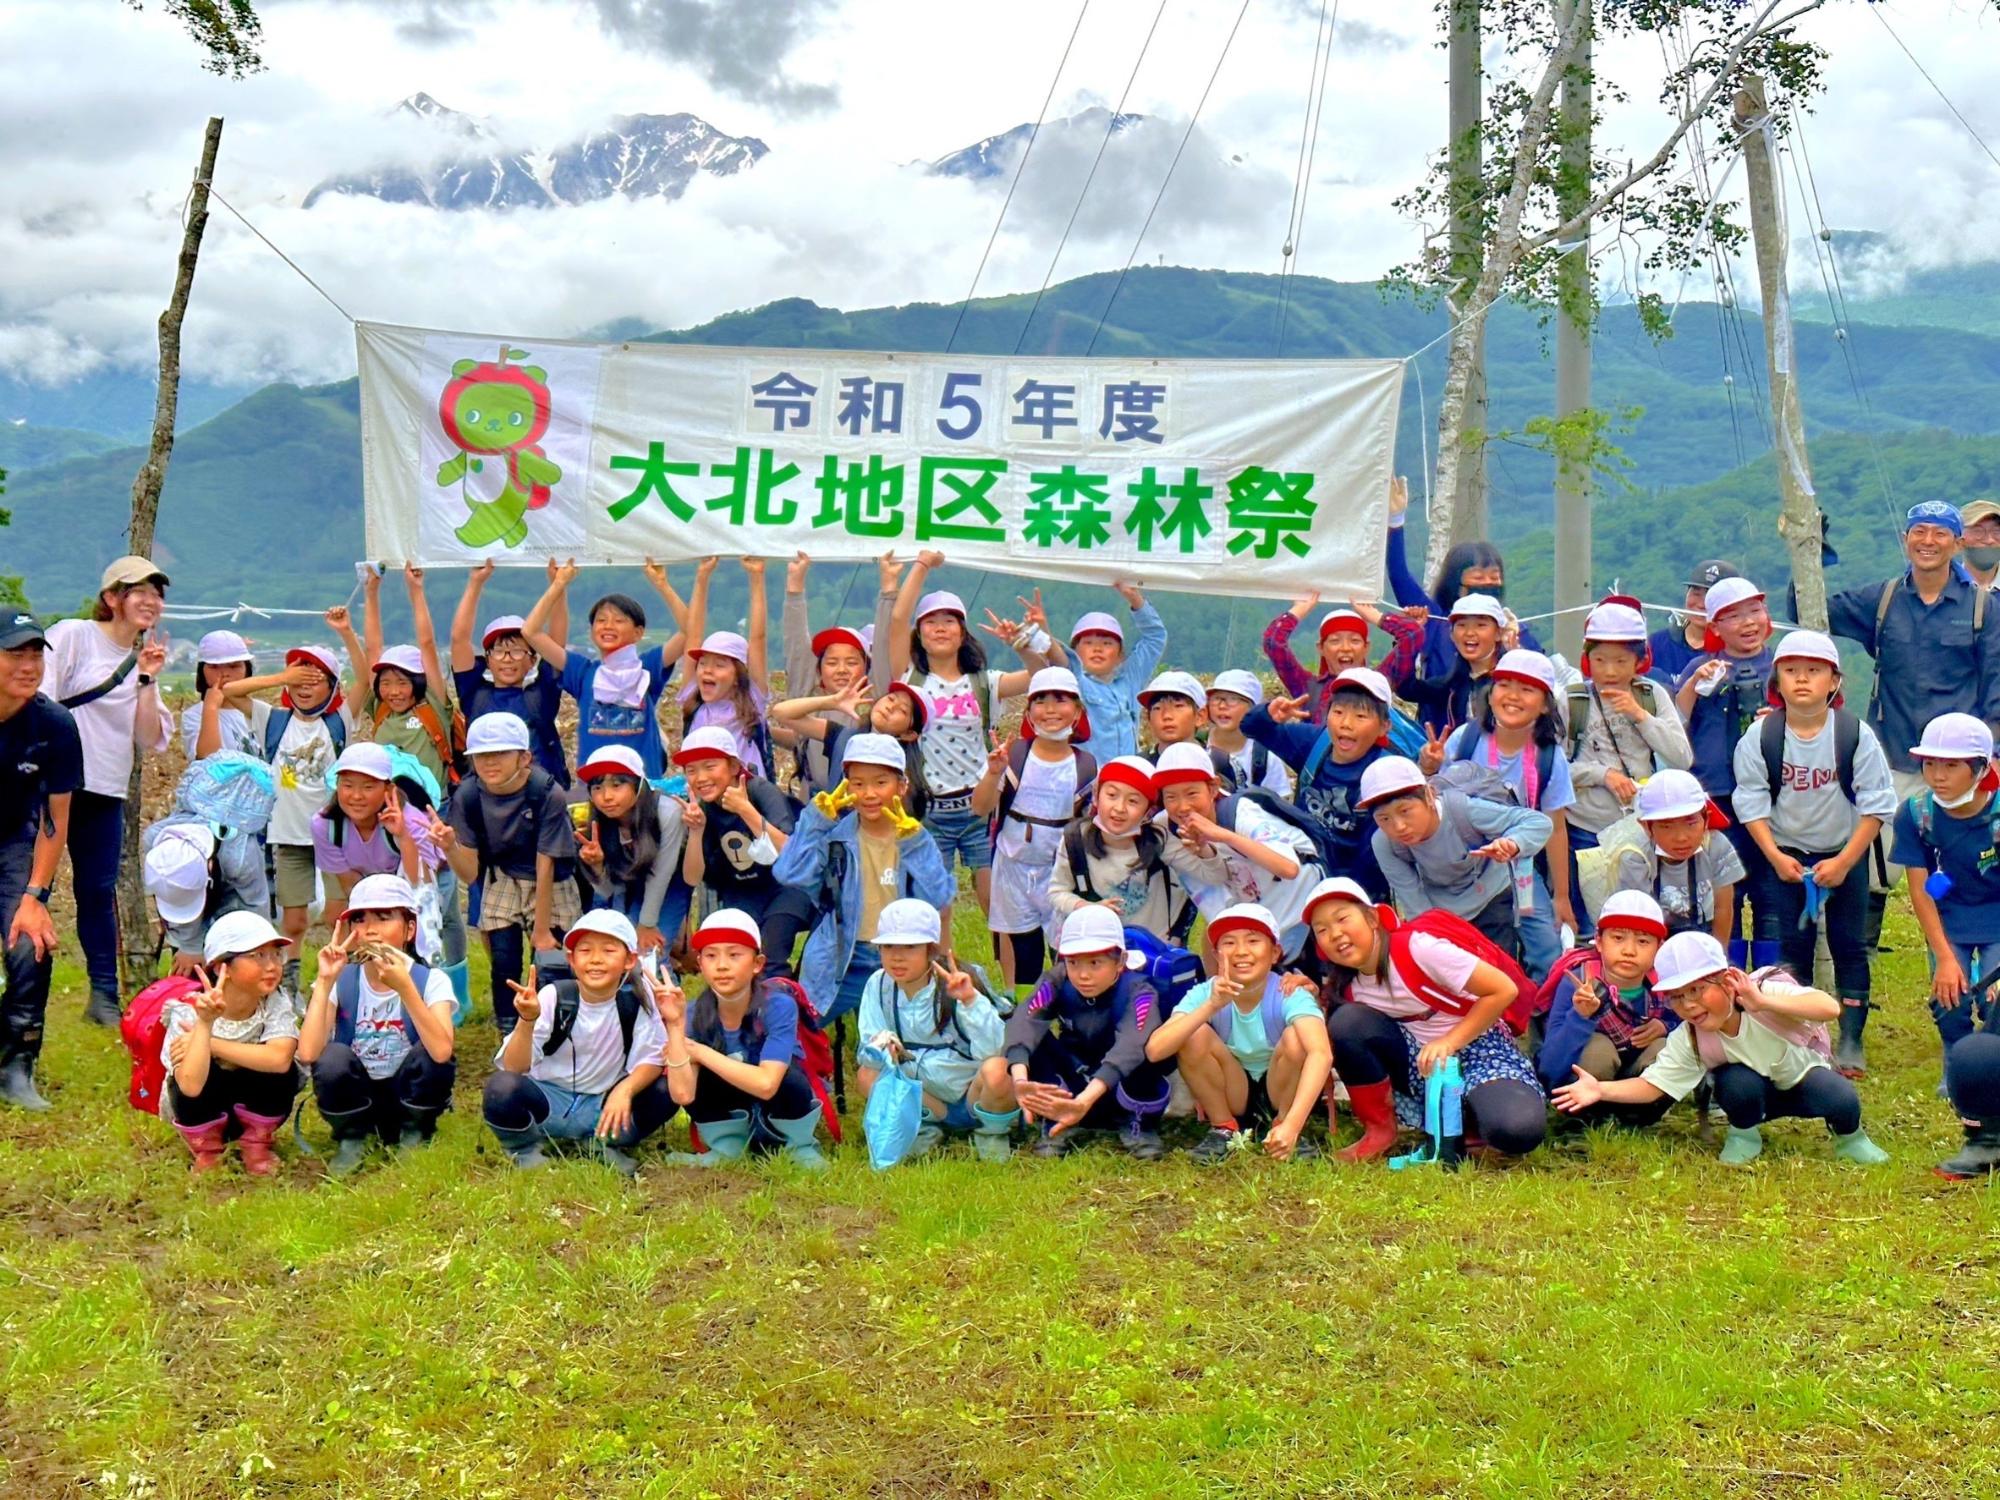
column 20, row 630
column 1707, row 575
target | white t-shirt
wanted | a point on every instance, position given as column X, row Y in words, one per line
column 272, row 1020
column 381, row 1038
column 304, row 766
column 1285, row 899
column 1047, row 790
column 1448, row 964
column 241, row 735
column 593, row 1059
column 954, row 737
column 1679, row 1067
column 80, row 657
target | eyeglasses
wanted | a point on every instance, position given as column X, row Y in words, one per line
column 510, row 653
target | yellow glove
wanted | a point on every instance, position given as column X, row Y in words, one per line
column 905, row 825
column 835, row 802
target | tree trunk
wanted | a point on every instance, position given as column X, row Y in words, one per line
column 138, row 932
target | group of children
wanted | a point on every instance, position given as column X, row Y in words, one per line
column 1469, row 862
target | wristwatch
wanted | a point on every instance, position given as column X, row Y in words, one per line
column 145, row 679
column 39, row 892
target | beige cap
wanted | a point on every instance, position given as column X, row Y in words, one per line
column 1979, row 510
column 127, row 571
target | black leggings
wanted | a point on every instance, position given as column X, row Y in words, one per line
column 1749, row 1098
column 1031, row 954
column 1056, row 1060
column 715, row 1099
column 1844, row 916
column 1497, row 920
column 1368, row 1048
column 1972, row 1074
column 792, row 912
column 354, row 1104
column 267, row 1094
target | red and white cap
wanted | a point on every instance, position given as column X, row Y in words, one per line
column 612, row 760
column 1183, row 684
column 726, row 644
column 1687, row 957
column 1955, row 737
column 1634, row 910
column 940, row 601
column 1729, row 593
column 839, row 635
column 314, row 656
column 1181, row 764
column 1243, row 684
column 1479, row 606
column 498, row 626
column 1806, row 645
column 1676, row 794
column 1335, row 888
column 1531, row 667
column 380, row 893
column 1617, row 618
column 920, row 713
column 607, row 922
column 728, row 926
column 710, row 742
column 405, row 659
column 1090, row 929
column 1245, row 916
column 1134, row 771
column 1097, row 622
column 1366, row 680
column 1343, row 619
column 1391, row 776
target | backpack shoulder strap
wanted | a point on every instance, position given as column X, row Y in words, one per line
column 1273, row 1012
column 346, row 996
column 1882, row 604
column 1224, row 770
column 1846, row 744
column 1545, row 767
column 569, row 999
column 1462, row 749
column 1260, row 760
column 274, row 731
column 1079, row 861
column 1771, row 740
column 627, row 1002
column 1578, row 695
column 1322, row 747
column 108, row 686
column 336, row 730
column 1978, row 608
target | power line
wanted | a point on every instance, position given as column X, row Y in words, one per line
column 1119, row 285
column 1309, row 132
column 1876, row 11
column 1019, row 167
column 1110, row 128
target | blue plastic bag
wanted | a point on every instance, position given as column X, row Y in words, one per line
column 895, row 1113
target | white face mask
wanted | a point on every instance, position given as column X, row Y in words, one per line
column 1952, row 804
column 1060, row 736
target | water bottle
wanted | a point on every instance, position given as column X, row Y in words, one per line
column 1524, row 887
column 1451, row 1114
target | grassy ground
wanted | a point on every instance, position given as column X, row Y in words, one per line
column 1618, row 1316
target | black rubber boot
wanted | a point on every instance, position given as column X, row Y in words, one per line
column 1980, row 1154
column 103, row 1010
column 17, row 1076
column 1848, row 1058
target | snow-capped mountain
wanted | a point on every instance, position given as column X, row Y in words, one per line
column 996, row 155
column 633, row 156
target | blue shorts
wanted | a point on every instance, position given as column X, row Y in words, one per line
column 959, row 1116
column 964, row 835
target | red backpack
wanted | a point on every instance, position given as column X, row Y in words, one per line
column 144, row 1030
column 1460, row 934
column 815, row 1057
column 1582, row 957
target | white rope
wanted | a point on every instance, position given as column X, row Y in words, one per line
column 214, row 193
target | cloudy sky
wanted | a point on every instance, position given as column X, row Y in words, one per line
column 103, row 112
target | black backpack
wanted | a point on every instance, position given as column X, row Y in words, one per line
column 537, row 790
column 1260, row 765
column 1152, row 845
column 1010, row 783
column 1326, row 848
column 569, row 1003
column 1846, row 741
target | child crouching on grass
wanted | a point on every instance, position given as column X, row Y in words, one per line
column 1747, row 1034
column 585, row 1063
column 1241, row 1028
column 1604, row 1016
column 922, row 1013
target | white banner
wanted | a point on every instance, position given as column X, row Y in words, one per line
column 1246, row 477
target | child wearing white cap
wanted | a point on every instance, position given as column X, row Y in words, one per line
column 1757, row 1038
column 1813, row 790
column 1175, row 707
column 736, row 822
column 921, row 1013
column 229, row 1048
column 1443, row 667
column 853, row 852
column 629, row 845
column 211, row 723
column 585, row 1063
column 1110, row 671
column 1622, row 726
column 931, row 647
column 1116, row 857
column 1076, row 1050
column 725, row 687
column 509, row 828
column 378, row 1035
column 1682, row 861
column 825, row 666
column 401, row 695
column 1248, row 1049
column 1331, row 758
column 1239, row 760
column 503, row 675
column 1032, row 788
column 196, row 874
column 1604, row 1016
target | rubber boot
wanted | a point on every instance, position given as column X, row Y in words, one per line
column 1979, row 1155
column 1052, row 1147
column 801, row 1139
column 290, row 985
column 726, row 1139
column 205, row 1141
column 523, row 1147
column 1141, row 1135
column 1765, row 952
column 1848, row 1058
column 1741, row 1147
column 929, row 1136
column 254, row 1144
column 460, row 975
column 350, row 1139
column 1374, row 1105
column 17, row 1080
column 993, row 1135
column 418, row 1129
column 621, row 1162
column 103, row 1010
column 1739, row 953
column 1857, row 1148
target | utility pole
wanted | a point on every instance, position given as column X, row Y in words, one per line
column 1577, row 306
column 1466, row 155
column 1798, row 513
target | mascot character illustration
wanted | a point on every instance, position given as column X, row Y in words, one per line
column 496, row 414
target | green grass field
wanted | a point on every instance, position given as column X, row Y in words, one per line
column 1619, row 1316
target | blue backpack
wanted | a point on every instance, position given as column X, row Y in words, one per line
column 1172, row 971
column 281, row 720
column 229, row 789
column 1271, row 1012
